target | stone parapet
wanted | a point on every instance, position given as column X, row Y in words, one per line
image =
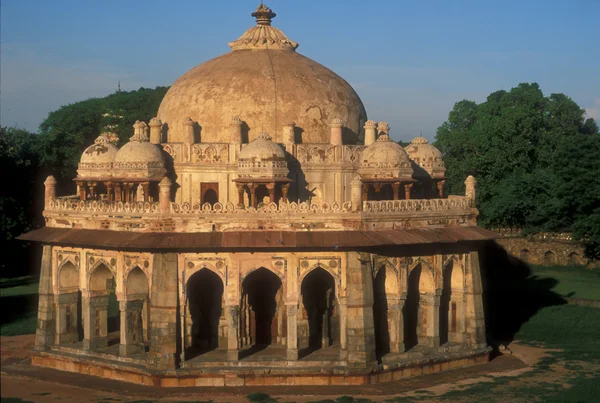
column 186, row 217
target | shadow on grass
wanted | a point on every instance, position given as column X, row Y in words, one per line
column 16, row 307
column 511, row 294
column 18, row 281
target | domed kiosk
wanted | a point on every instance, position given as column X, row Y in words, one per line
column 428, row 166
column 300, row 257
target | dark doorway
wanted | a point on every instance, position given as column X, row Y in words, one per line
column 445, row 304
column 380, row 314
column 261, row 289
column 318, row 297
column 209, row 193
column 205, row 295
column 410, row 311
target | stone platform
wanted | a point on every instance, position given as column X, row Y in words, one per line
column 254, row 370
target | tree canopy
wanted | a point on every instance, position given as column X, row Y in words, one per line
column 66, row 132
column 535, row 159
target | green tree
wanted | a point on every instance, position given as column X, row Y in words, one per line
column 66, row 132
column 520, row 146
column 20, row 209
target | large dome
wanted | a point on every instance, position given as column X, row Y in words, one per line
column 265, row 82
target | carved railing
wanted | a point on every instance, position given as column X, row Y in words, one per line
column 417, row 205
column 100, row 206
column 271, row 208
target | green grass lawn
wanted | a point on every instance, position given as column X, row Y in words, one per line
column 573, row 281
column 19, row 300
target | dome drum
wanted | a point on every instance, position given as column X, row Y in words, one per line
column 385, row 159
column 262, row 159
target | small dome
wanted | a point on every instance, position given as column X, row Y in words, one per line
column 427, row 157
column 139, row 159
column 262, row 158
column 261, row 149
column 97, row 160
column 384, row 159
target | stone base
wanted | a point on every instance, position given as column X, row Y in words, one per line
column 94, row 344
column 131, row 349
column 214, row 376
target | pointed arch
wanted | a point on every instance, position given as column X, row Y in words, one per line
column 319, row 319
column 68, row 277
column 136, row 282
column 100, row 276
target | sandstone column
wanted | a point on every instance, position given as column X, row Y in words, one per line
column 164, row 195
column 190, row 138
column 95, row 320
column 336, row 132
column 155, row 130
column 292, row 332
column 475, row 324
column 67, row 317
column 132, row 341
column 163, row 312
column 370, row 132
column 359, row 323
column 44, row 334
column 289, row 138
column 235, row 128
column 232, row 313
column 470, row 183
column 49, row 190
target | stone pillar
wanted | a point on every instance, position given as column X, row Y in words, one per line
column 164, row 195
column 155, row 130
column 475, row 324
column 132, row 329
column 44, row 333
column 49, row 190
column 67, row 316
column 271, row 189
column 252, row 188
column 190, row 138
column 118, row 192
column 164, row 313
column 396, row 323
column 289, row 138
column 235, row 128
column 109, row 191
column 470, row 183
column 364, row 192
column 370, row 132
column 127, row 190
column 146, row 189
column 335, row 138
column 407, row 188
column 359, row 322
column 284, row 192
column 396, row 190
column 95, row 320
column 92, row 190
column 356, row 194
column 440, row 187
column 82, row 190
column 343, row 328
column 292, row 332
column 232, row 314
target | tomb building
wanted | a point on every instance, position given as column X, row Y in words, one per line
column 260, row 230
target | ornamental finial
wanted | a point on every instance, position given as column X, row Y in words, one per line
column 263, row 15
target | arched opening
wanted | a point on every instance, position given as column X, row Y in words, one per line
column 549, row 258
column 451, row 304
column 386, row 313
column 103, row 310
column 262, row 195
column 319, row 320
column 573, row 259
column 135, row 313
column 69, row 323
column 204, row 312
column 262, row 321
column 524, row 255
column 418, row 308
column 210, row 196
column 379, row 192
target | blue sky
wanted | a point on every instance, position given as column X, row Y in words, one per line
column 410, row 61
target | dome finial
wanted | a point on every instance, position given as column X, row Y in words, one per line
column 263, row 15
